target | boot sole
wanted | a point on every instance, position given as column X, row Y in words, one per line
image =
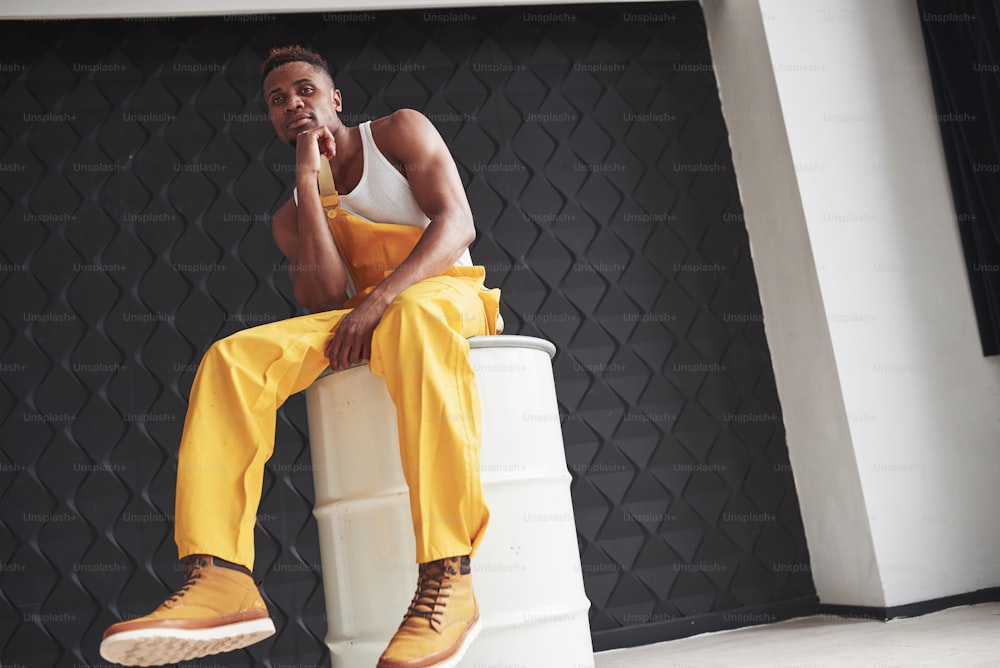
column 452, row 661
column 470, row 635
column 157, row 647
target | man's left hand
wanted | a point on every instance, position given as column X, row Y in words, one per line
column 352, row 340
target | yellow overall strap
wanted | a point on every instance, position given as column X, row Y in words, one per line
column 327, row 190
column 362, row 236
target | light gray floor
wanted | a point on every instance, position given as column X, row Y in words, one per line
column 967, row 636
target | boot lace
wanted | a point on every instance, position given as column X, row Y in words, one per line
column 432, row 592
column 192, row 571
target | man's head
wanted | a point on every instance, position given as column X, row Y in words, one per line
column 298, row 91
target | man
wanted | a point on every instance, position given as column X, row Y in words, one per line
column 401, row 293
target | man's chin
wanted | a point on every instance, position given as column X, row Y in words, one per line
column 293, row 134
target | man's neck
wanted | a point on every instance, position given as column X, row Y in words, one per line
column 348, row 149
column 347, row 141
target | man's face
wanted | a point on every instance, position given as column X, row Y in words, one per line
column 300, row 97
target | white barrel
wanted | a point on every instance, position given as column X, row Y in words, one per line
column 526, row 574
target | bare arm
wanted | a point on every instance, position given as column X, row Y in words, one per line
column 409, row 139
column 415, row 143
column 319, row 279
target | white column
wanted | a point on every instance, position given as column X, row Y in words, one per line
column 892, row 412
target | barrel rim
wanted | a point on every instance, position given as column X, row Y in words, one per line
column 512, row 341
column 489, row 341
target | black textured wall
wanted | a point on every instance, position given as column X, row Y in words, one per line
column 137, row 174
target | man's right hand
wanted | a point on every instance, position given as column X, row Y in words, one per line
column 301, row 231
column 310, row 147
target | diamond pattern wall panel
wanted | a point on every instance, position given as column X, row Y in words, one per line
column 138, row 175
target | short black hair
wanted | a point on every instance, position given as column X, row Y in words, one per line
column 282, row 55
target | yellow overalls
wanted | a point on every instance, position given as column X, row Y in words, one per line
column 419, row 348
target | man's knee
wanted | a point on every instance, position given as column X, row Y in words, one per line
column 228, row 351
column 436, row 307
column 415, row 303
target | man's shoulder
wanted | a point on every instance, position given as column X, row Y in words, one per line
column 405, row 137
column 400, row 119
column 402, row 127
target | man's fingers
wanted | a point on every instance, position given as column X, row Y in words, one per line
column 343, row 360
column 327, row 145
column 351, row 344
column 314, row 144
column 355, row 355
column 339, row 346
column 354, row 342
column 308, row 152
column 333, row 353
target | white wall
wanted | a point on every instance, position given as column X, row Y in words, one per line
column 823, row 461
column 921, row 403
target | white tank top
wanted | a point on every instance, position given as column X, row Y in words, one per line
column 383, row 194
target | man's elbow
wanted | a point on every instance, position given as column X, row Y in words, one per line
column 468, row 234
column 318, row 303
column 304, row 298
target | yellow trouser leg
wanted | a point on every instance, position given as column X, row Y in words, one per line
column 420, row 349
column 229, row 430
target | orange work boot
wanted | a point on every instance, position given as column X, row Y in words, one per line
column 219, row 609
column 442, row 621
